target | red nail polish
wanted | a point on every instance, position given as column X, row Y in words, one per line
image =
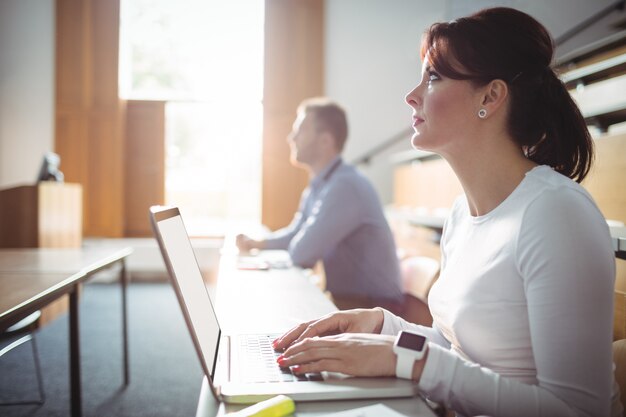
column 274, row 343
column 296, row 369
column 280, row 360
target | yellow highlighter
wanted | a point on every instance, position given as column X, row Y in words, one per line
column 278, row 406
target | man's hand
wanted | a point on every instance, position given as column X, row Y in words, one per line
column 245, row 243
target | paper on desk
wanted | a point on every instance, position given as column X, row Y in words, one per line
column 376, row 410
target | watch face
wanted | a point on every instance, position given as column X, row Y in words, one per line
column 411, row 341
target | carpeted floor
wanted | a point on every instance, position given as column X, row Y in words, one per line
column 164, row 370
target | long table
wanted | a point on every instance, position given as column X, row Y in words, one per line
column 618, row 234
column 273, row 301
column 33, row 278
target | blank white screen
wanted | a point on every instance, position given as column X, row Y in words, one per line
column 194, row 292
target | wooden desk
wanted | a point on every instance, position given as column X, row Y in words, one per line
column 274, row 301
column 33, row 278
column 619, row 241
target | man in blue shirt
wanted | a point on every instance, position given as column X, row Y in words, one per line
column 340, row 219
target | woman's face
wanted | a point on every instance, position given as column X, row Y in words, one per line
column 444, row 111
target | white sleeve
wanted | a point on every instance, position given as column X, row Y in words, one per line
column 392, row 324
column 467, row 387
column 566, row 261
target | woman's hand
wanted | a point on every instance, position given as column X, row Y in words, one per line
column 350, row 321
column 352, row 354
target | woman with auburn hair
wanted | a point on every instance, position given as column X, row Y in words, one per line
column 523, row 308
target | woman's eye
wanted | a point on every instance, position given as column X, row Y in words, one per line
column 433, row 76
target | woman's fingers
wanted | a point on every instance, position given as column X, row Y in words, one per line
column 352, row 354
column 313, row 356
column 308, row 344
column 323, row 365
column 350, row 321
column 288, row 338
column 310, row 355
column 324, row 326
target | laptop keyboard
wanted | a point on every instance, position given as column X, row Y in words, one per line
column 258, row 360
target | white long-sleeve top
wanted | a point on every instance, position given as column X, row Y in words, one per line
column 523, row 308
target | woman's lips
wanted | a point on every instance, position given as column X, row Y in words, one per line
column 417, row 121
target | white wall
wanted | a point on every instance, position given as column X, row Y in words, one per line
column 372, row 61
column 26, row 88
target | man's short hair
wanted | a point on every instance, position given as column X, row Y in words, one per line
column 329, row 117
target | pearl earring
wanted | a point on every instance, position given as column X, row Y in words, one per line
column 482, row 113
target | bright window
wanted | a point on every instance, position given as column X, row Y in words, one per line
column 205, row 58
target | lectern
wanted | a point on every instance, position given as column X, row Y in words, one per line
column 45, row 215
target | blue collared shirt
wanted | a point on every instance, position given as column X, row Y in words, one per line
column 340, row 221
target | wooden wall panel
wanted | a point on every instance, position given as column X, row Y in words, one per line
column 89, row 115
column 430, row 184
column 294, row 70
column 606, row 184
column 70, row 125
column 144, row 163
column 104, row 24
column 105, row 200
column 71, row 52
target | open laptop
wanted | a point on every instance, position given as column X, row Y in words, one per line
column 242, row 368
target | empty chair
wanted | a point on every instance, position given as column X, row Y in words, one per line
column 619, row 358
column 418, row 274
column 26, row 326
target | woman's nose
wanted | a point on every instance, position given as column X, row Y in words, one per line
column 413, row 97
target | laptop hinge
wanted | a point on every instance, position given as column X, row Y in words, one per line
column 228, row 355
column 222, row 364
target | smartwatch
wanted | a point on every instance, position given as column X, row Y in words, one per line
column 408, row 347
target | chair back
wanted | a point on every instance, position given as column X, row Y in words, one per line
column 419, row 273
column 619, row 358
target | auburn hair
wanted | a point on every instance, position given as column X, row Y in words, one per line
column 507, row 44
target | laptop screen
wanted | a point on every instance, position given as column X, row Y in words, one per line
column 189, row 286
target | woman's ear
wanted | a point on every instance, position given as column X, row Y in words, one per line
column 494, row 96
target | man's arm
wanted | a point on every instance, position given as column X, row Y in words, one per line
column 336, row 214
column 279, row 239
